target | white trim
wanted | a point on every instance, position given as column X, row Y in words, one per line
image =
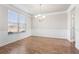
column 53, row 13
column 71, row 7
column 50, row 37
column 60, row 12
column 11, row 6
column 70, row 40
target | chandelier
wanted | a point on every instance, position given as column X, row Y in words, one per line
column 40, row 16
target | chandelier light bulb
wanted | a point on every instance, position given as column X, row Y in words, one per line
column 40, row 16
column 36, row 16
column 43, row 16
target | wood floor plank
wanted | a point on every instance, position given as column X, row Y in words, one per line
column 39, row 45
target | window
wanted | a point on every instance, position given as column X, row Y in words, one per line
column 22, row 24
column 12, row 22
column 16, row 22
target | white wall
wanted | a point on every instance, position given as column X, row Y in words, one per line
column 77, row 27
column 54, row 25
column 76, row 24
column 70, row 26
column 4, row 37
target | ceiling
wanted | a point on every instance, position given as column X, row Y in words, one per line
column 45, row 8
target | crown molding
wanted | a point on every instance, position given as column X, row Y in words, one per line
column 71, row 7
column 53, row 13
column 68, row 10
column 11, row 6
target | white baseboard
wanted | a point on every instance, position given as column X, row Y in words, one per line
column 50, row 36
column 62, row 33
column 70, row 40
column 8, row 42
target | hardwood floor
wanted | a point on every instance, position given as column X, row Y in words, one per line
column 39, row 45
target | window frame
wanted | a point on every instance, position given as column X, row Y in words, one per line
column 18, row 22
